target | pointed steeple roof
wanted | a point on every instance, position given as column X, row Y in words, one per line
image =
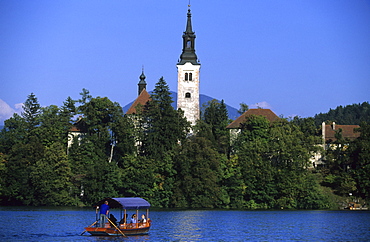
column 142, row 82
column 188, row 49
column 189, row 29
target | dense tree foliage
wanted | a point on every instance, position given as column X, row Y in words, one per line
column 274, row 159
column 158, row 156
column 163, row 126
column 350, row 114
column 216, row 118
column 163, row 129
column 359, row 153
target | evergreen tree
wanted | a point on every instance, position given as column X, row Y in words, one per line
column 215, row 115
column 26, row 149
column 350, row 114
column 163, row 130
column 31, row 112
column 164, row 126
column 85, row 96
column 67, row 112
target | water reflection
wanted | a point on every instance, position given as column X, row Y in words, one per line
column 187, row 224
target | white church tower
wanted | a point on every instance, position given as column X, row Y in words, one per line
column 188, row 76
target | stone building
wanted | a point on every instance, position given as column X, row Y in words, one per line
column 347, row 132
column 328, row 132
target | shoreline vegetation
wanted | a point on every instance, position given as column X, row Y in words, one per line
column 152, row 154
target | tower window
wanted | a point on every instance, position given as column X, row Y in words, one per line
column 187, row 95
column 188, row 44
column 188, row 76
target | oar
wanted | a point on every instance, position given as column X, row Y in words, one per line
column 116, row 227
column 89, row 227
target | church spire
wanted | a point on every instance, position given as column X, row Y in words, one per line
column 188, row 49
column 188, row 69
column 142, row 82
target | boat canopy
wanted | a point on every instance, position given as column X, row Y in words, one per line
column 126, row 203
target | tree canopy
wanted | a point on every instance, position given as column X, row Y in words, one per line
column 157, row 155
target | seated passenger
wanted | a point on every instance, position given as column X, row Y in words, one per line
column 133, row 219
column 143, row 219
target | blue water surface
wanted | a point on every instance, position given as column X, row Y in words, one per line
column 66, row 224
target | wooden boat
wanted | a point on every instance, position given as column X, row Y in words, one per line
column 355, row 206
column 123, row 227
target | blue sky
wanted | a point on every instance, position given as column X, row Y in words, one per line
column 294, row 57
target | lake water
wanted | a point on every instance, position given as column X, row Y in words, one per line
column 66, row 224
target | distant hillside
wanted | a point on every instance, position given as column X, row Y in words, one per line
column 350, row 114
column 233, row 112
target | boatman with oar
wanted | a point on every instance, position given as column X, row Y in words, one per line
column 104, row 211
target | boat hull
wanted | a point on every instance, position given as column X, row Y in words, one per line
column 126, row 230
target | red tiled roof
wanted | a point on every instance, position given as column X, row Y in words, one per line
column 142, row 99
column 271, row 116
column 347, row 132
column 74, row 129
column 79, row 126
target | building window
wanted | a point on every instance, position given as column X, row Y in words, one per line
column 187, row 95
column 188, row 76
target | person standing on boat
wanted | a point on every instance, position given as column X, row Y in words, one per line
column 104, row 211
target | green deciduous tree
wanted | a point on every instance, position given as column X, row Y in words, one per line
column 50, row 177
column 139, row 175
column 22, row 157
column 243, row 108
column 198, row 176
column 274, row 158
column 14, row 132
column 215, row 115
column 95, row 158
column 359, row 152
